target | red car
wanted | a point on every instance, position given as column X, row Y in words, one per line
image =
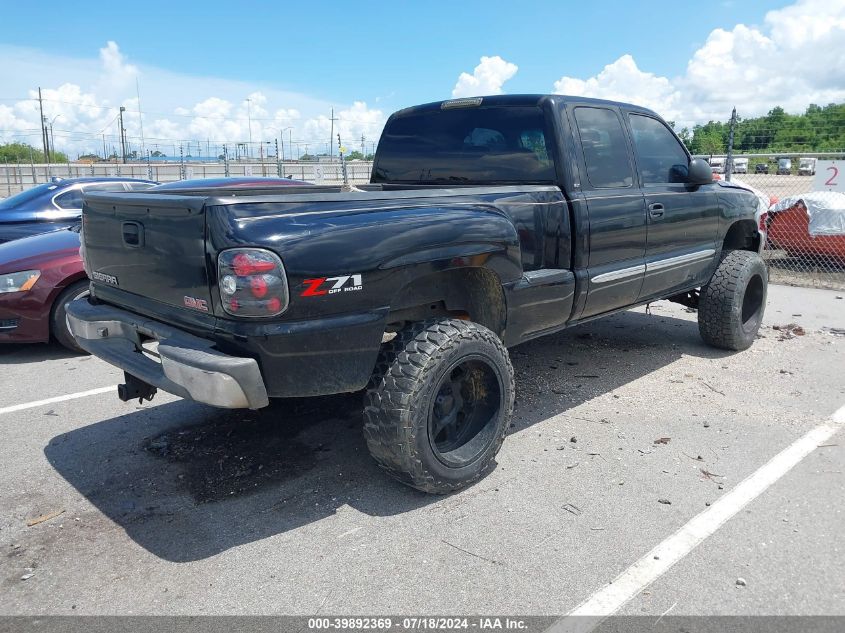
column 38, row 276
column 811, row 225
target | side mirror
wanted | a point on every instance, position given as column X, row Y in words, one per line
column 700, row 172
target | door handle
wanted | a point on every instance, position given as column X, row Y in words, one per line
column 133, row 234
column 655, row 210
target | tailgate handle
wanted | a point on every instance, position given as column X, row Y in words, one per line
column 133, row 234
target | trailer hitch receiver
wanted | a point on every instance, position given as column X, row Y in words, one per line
column 135, row 388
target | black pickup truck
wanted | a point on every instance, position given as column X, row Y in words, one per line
column 488, row 222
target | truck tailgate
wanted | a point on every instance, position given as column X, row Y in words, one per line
column 150, row 245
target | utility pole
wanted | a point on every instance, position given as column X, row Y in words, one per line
column 43, row 129
column 140, row 119
column 363, row 146
column 331, row 135
column 729, row 161
column 340, row 151
column 249, row 122
column 261, row 158
column 278, row 162
column 122, row 134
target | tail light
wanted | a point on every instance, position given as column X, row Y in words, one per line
column 761, row 223
column 252, row 282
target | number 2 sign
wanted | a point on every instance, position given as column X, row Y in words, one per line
column 830, row 176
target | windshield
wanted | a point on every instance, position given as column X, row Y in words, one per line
column 503, row 144
column 26, row 196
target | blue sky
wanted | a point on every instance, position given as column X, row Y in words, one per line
column 365, row 49
column 226, row 72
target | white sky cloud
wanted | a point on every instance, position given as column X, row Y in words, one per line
column 793, row 60
column 176, row 107
column 622, row 79
column 487, row 78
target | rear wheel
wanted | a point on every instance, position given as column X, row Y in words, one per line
column 438, row 406
column 58, row 322
column 732, row 304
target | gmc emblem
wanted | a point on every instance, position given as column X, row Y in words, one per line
column 196, row 304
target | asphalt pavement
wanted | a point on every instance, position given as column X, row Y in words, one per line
column 625, row 430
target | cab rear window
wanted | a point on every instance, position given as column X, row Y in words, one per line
column 493, row 145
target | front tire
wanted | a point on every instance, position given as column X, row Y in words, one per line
column 438, row 406
column 731, row 305
column 58, row 321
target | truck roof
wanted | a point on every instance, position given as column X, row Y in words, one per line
column 521, row 100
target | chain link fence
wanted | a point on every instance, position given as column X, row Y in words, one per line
column 805, row 218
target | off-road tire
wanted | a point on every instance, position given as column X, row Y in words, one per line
column 58, row 320
column 731, row 306
column 401, row 394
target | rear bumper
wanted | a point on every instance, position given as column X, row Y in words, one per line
column 190, row 367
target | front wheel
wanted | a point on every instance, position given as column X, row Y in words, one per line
column 58, row 321
column 731, row 305
column 437, row 409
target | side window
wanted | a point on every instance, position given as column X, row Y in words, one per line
column 139, row 186
column 105, row 186
column 605, row 150
column 660, row 157
column 70, row 200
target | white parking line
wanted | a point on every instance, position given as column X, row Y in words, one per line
column 659, row 560
column 70, row 396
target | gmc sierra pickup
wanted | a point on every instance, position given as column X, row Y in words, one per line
column 488, row 222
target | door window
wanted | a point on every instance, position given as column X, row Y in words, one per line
column 605, row 149
column 660, row 157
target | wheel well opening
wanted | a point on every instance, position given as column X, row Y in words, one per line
column 742, row 236
column 473, row 294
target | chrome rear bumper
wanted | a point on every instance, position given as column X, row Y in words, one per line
column 189, row 365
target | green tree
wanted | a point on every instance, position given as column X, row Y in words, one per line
column 818, row 129
column 23, row 152
column 355, row 155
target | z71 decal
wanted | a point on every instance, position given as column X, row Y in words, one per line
column 331, row 285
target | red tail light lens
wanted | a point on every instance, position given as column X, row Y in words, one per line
column 245, row 264
column 762, row 222
column 252, row 282
column 258, row 286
